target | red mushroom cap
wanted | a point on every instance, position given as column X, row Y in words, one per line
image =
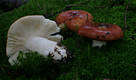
column 74, row 18
column 101, row 31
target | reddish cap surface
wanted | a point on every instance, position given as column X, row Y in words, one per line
column 101, row 31
column 74, row 18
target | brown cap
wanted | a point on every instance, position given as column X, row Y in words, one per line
column 74, row 18
column 101, row 31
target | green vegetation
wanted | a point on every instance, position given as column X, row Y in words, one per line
column 117, row 60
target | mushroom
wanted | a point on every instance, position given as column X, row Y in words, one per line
column 34, row 33
column 73, row 19
column 101, row 33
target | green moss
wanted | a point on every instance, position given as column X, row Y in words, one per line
column 116, row 60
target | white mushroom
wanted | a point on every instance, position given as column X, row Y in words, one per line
column 34, row 33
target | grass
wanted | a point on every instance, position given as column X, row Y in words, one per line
column 117, row 60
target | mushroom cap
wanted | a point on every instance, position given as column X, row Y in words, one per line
column 101, row 31
column 26, row 27
column 74, row 18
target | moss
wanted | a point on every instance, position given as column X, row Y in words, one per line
column 116, row 60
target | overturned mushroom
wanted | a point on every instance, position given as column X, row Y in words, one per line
column 73, row 19
column 101, row 32
column 34, row 33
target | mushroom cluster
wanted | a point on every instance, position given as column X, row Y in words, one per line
column 34, row 33
column 82, row 23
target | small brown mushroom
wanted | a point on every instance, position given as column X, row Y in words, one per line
column 101, row 32
column 74, row 19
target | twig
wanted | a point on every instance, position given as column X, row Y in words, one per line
column 125, row 21
column 74, row 5
column 67, row 7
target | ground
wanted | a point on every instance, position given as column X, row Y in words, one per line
column 116, row 60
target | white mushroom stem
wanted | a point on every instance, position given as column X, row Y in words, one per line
column 97, row 43
column 45, row 47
